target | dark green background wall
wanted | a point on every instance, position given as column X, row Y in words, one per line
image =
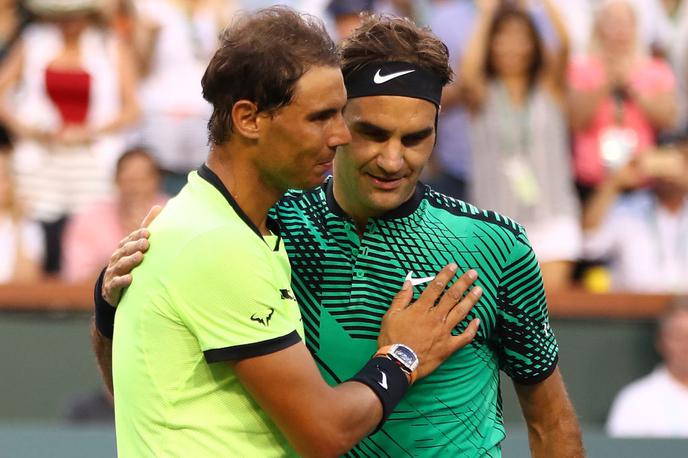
column 47, row 361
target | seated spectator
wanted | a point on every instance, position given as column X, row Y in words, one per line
column 92, row 235
column 657, row 404
column 67, row 92
column 643, row 234
column 93, row 407
column 518, row 133
column 21, row 241
column 619, row 95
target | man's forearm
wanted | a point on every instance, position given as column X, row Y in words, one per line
column 560, row 438
column 553, row 430
column 102, row 347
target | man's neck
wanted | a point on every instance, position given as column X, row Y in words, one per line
column 359, row 215
column 243, row 181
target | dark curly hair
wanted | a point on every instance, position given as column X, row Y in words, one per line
column 261, row 57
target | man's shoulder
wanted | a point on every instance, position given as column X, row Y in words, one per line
column 299, row 204
column 191, row 228
column 299, row 196
column 453, row 211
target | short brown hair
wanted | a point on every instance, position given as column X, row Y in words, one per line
column 261, row 57
column 383, row 38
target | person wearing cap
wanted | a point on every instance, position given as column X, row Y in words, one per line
column 358, row 236
column 209, row 358
column 75, row 93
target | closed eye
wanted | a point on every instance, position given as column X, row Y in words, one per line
column 417, row 137
column 372, row 132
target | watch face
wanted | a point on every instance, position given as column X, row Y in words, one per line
column 406, row 356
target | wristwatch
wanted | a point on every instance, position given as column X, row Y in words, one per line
column 405, row 358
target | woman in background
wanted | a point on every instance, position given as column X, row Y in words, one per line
column 519, row 132
column 620, row 96
column 68, row 91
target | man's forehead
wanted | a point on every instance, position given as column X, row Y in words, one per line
column 390, row 108
column 324, row 81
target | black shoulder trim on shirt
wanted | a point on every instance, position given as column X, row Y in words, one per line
column 265, row 347
column 462, row 208
column 540, row 377
column 402, row 211
column 209, row 176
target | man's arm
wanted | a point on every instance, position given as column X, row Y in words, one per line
column 113, row 280
column 553, row 429
column 319, row 420
column 102, row 347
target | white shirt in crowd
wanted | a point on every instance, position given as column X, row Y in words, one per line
column 654, row 406
column 647, row 246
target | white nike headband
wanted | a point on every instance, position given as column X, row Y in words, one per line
column 393, row 78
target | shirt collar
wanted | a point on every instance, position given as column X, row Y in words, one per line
column 208, row 175
column 402, row 211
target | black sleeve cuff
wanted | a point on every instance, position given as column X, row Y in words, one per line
column 105, row 313
column 542, row 376
column 253, row 349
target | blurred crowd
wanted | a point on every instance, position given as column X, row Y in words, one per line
column 570, row 117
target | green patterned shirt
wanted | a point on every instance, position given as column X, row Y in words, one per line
column 344, row 284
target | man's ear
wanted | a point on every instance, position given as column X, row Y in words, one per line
column 246, row 119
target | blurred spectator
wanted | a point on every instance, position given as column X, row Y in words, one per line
column 644, row 234
column 578, row 14
column 347, row 15
column 92, row 407
column 175, row 40
column 449, row 171
column 518, row 133
column 620, row 96
column 13, row 19
column 21, row 241
column 68, row 91
column 657, row 404
column 679, row 60
column 92, row 235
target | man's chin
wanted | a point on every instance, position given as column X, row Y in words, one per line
column 383, row 202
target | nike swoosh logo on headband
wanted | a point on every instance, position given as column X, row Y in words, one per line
column 379, row 79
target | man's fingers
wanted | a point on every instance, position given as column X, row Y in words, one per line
column 459, row 312
column 126, row 264
column 152, row 213
column 402, row 299
column 112, row 289
column 129, row 248
column 138, row 234
column 466, row 337
column 121, row 282
column 436, row 287
column 453, row 295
